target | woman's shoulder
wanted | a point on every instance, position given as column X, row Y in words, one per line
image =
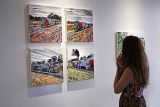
column 131, row 71
column 128, row 71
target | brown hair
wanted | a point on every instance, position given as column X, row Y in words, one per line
column 135, row 57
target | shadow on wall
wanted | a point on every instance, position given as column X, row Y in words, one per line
column 44, row 90
column 80, row 85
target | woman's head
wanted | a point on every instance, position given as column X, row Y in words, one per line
column 134, row 56
column 132, row 47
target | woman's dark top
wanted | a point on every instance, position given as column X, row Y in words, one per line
column 132, row 96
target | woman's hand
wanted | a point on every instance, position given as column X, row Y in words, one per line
column 119, row 61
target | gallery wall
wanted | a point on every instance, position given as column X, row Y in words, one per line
column 109, row 16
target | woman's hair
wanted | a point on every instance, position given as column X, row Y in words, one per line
column 134, row 56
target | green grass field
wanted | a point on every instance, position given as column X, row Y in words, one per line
column 76, row 75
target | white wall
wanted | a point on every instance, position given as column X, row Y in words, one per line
column 109, row 16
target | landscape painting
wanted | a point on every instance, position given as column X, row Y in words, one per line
column 46, row 66
column 79, row 25
column 120, row 37
column 45, row 24
column 80, row 64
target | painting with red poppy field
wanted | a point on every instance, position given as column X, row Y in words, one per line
column 45, row 24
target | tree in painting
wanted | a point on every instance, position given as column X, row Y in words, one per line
column 120, row 36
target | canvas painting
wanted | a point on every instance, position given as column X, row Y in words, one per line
column 45, row 24
column 46, row 66
column 80, row 64
column 79, row 25
column 121, row 35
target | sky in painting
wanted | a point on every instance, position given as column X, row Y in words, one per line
column 79, row 15
column 40, row 54
column 83, row 52
column 43, row 11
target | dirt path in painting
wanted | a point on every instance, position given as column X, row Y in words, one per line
column 82, row 36
column 50, row 34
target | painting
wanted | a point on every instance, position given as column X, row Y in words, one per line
column 46, row 66
column 80, row 64
column 79, row 25
column 45, row 24
column 120, row 37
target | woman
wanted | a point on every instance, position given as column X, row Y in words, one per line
column 132, row 73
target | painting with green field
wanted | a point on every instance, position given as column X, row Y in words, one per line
column 80, row 64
